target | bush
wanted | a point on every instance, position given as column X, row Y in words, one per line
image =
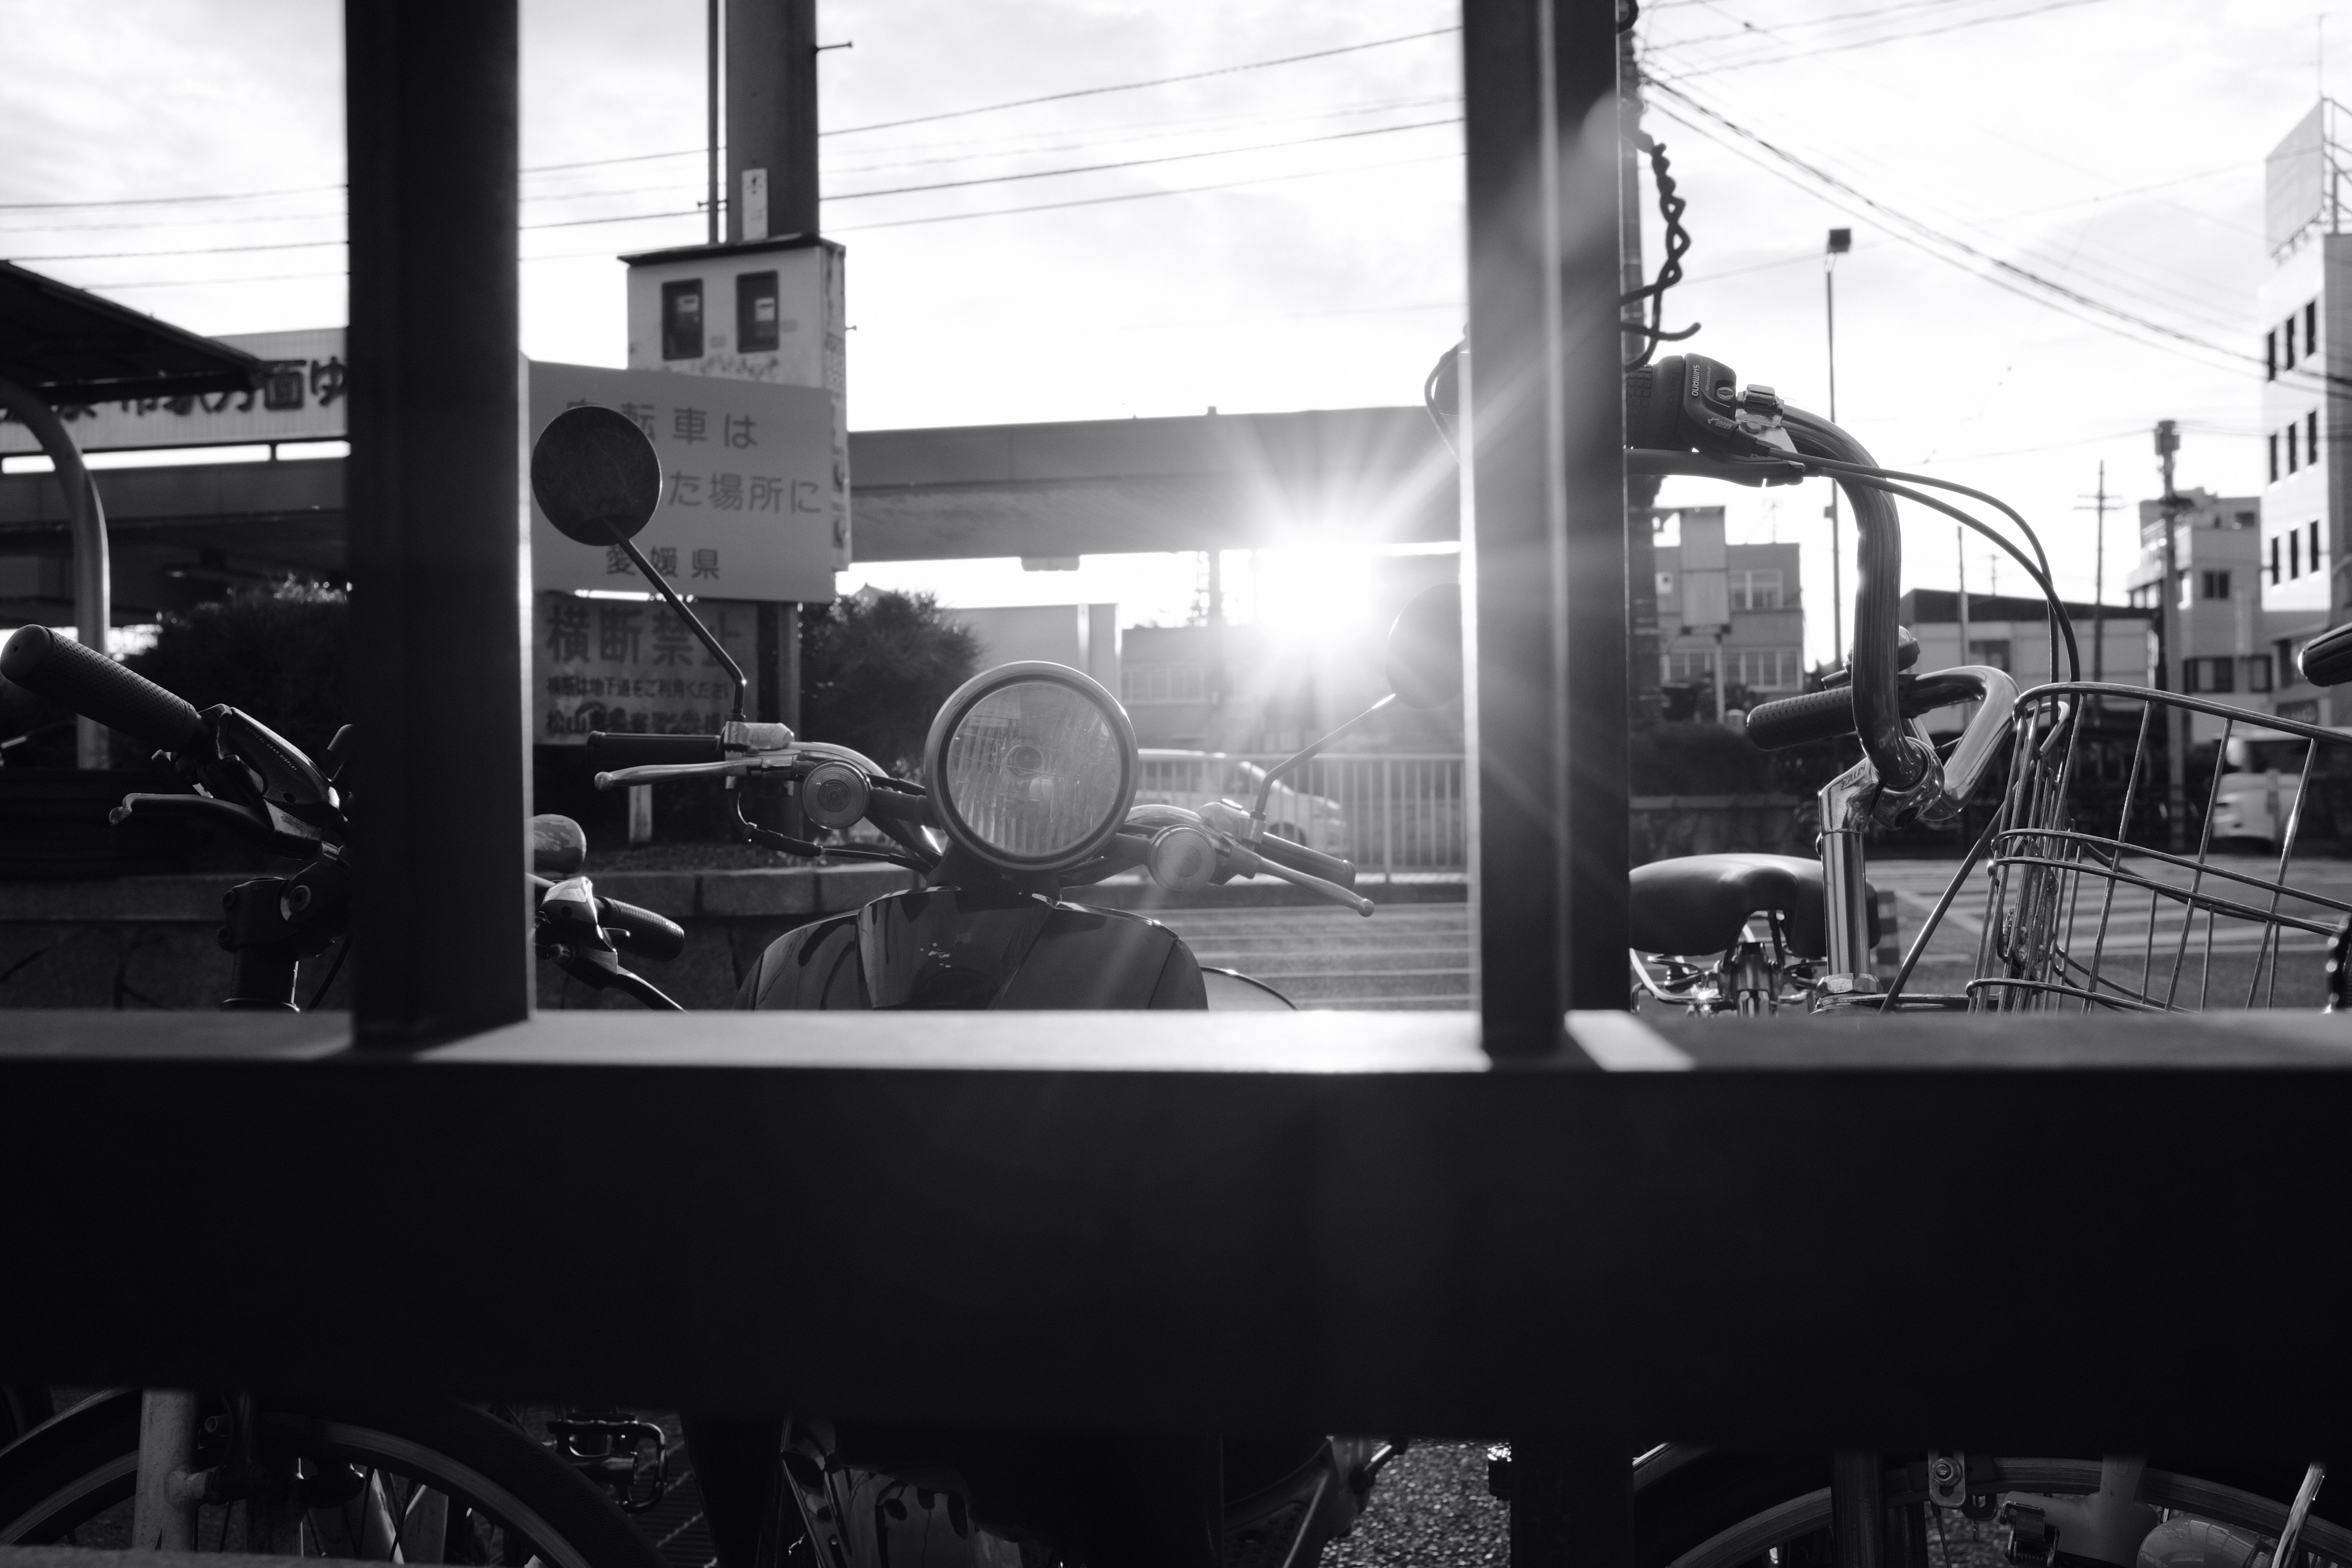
column 1696, row 759
column 874, row 669
column 277, row 652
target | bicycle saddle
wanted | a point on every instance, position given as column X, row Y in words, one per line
column 1697, row 903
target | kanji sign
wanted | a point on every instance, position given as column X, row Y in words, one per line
column 749, row 491
column 303, row 396
column 631, row 665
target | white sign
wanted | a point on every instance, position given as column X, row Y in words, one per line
column 302, row 398
column 749, row 489
column 633, row 665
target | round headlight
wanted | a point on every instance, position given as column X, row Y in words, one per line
column 1032, row 766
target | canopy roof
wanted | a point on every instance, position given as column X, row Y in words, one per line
column 71, row 346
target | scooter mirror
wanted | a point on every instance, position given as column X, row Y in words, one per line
column 596, row 475
column 1426, row 648
column 2326, row 659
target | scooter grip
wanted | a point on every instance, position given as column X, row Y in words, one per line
column 95, row 687
column 1792, row 721
column 1299, row 857
column 608, row 752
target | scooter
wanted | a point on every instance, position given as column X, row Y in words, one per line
column 1028, row 781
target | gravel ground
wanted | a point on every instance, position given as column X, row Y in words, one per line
column 1430, row 1510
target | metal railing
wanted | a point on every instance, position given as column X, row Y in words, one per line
column 1394, row 814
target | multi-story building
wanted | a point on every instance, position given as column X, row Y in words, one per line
column 2011, row 632
column 1752, row 642
column 2306, row 306
column 2222, row 594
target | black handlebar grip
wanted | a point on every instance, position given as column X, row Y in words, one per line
column 607, row 752
column 1792, row 721
column 640, row 930
column 1299, row 857
column 95, row 687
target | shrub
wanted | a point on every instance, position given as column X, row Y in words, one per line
column 874, row 669
column 1696, row 759
column 277, row 652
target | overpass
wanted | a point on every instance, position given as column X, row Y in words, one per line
column 1364, row 476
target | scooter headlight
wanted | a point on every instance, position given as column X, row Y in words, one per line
column 1032, row 766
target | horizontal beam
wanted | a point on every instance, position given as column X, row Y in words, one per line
column 1162, row 1221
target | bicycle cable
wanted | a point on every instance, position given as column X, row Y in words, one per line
column 2061, row 627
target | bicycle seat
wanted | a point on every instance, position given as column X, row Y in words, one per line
column 1697, row 903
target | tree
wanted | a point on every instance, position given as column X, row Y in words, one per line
column 875, row 670
column 278, row 652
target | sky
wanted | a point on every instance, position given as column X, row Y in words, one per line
column 1289, row 235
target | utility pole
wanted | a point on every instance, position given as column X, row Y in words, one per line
column 1960, row 600
column 2101, row 506
column 2167, row 643
column 1840, row 242
column 772, row 184
column 712, row 36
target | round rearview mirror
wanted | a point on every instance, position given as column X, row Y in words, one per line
column 596, row 475
column 1426, row 648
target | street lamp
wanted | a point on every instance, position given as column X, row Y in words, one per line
column 1841, row 241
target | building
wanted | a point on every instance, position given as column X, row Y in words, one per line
column 2306, row 305
column 2222, row 595
column 1728, row 615
column 1081, row 636
column 2011, row 632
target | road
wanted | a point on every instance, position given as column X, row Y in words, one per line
column 1417, row 955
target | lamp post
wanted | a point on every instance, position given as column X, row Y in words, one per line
column 1841, row 241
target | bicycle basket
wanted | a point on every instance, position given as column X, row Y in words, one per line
column 2144, row 856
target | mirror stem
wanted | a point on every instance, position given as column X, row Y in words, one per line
column 694, row 622
column 1274, row 773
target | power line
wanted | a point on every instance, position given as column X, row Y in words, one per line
column 850, row 196
column 1142, row 162
column 1152, row 81
column 1833, row 48
column 846, row 131
column 1926, row 232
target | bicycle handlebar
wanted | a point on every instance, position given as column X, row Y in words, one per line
column 1787, row 722
column 607, row 752
column 95, row 686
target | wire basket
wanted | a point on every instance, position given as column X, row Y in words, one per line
column 2144, row 857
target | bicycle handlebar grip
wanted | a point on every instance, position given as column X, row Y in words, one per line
column 608, row 752
column 1792, row 721
column 94, row 686
column 640, row 930
column 1299, row 857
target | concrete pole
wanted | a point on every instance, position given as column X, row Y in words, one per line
column 93, row 585
column 2168, row 646
column 771, row 183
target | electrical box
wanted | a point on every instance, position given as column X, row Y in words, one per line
column 756, row 309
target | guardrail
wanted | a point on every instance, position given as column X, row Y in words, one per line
column 1391, row 813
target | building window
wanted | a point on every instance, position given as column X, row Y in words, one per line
column 757, row 323
column 2311, row 327
column 2312, row 550
column 2293, row 553
column 2290, row 463
column 2258, row 672
column 1765, row 669
column 1755, row 590
column 2275, row 561
column 2274, row 455
column 2311, row 437
column 2270, row 354
column 2214, row 585
column 1688, row 667
column 1162, row 683
column 1993, row 651
column 2290, row 355
column 2208, row 675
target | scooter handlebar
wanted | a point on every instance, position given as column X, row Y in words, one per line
column 94, row 686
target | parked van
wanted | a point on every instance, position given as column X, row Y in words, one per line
column 2261, row 778
column 1195, row 778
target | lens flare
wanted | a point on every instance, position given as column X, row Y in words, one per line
column 1034, row 770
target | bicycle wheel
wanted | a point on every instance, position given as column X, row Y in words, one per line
column 435, row 1482
column 1700, row 1509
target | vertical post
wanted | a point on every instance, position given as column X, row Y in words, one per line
column 1960, row 600
column 438, row 539
column 771, row 111
column 2168, row 665
column 2099, row 585
column 86, row 516
column 711, row 36
column 1544, row 516
column 1837, row 547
